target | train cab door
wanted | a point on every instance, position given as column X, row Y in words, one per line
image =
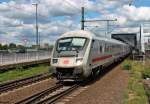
column 92, row 53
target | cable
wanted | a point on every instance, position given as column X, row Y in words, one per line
column 72, row 4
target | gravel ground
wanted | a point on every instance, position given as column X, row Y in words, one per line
column 147, row 82
column 108, row 89
column 19, row 94
column 147, row 86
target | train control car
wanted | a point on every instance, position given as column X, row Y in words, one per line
column 80, row 54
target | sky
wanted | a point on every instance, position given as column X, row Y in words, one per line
column 17, row 18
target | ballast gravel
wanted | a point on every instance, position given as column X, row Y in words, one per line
column 16, row 95
column 108, row 89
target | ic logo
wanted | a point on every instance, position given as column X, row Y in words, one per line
column 66, row 61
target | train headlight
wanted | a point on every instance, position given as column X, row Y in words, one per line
column 55, row 61
column 79, row 61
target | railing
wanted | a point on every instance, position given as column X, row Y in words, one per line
column 14, row 58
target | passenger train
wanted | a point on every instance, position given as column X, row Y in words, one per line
column 80, row 54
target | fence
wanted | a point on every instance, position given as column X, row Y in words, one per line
column 14, row 58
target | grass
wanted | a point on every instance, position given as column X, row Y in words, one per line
column 126, row 65
column 135, row 93
column 20, row 72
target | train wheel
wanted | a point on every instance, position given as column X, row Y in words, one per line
column 100, row 68
column 92, row 74
column 97, row 72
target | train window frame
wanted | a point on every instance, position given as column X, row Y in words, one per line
column 86, row 40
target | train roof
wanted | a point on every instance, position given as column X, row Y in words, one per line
column 90, row 35
column 78, row 33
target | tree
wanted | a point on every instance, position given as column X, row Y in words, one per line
column 5, row 47
column 1, row 47
column 20, row 46
column 12, row 45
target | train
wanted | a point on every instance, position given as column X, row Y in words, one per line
column 80, row 54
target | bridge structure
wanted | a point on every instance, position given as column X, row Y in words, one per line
column 128, row 38
column 136, row 37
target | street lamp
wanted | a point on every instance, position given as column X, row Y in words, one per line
column 132, row 1
column 36, row 19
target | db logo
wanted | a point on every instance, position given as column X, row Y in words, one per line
column 66, row 62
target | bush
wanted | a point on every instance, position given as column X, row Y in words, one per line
column 127, row 65
column 135, row 93
column 146, row 73
column 19, row 68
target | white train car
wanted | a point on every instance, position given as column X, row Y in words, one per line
column 79, row 54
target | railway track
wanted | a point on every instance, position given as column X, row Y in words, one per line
column 4, row 87
column 50, row 95
column 55, row 93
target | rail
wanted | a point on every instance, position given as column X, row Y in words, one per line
column 37, row 96
column 7, row 86
column 49, row 95
column 55, row 97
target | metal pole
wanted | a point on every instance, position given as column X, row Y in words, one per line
column 140, row 38
column 39, row 39
column 36, row 20
column 1, row 58
column 82, row 18
column 37, row 36
column 107, row 28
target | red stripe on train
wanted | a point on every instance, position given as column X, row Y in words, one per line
column 101, row 58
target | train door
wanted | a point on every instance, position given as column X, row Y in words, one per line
column 97, row 50
column 101, row 52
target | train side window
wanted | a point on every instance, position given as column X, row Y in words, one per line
column 106, row 48
column 100, row 49
column 93, row 42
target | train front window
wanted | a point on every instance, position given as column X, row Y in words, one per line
column 71, row 44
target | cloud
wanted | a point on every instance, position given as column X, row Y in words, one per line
column 135, row 14
column 58, row 16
